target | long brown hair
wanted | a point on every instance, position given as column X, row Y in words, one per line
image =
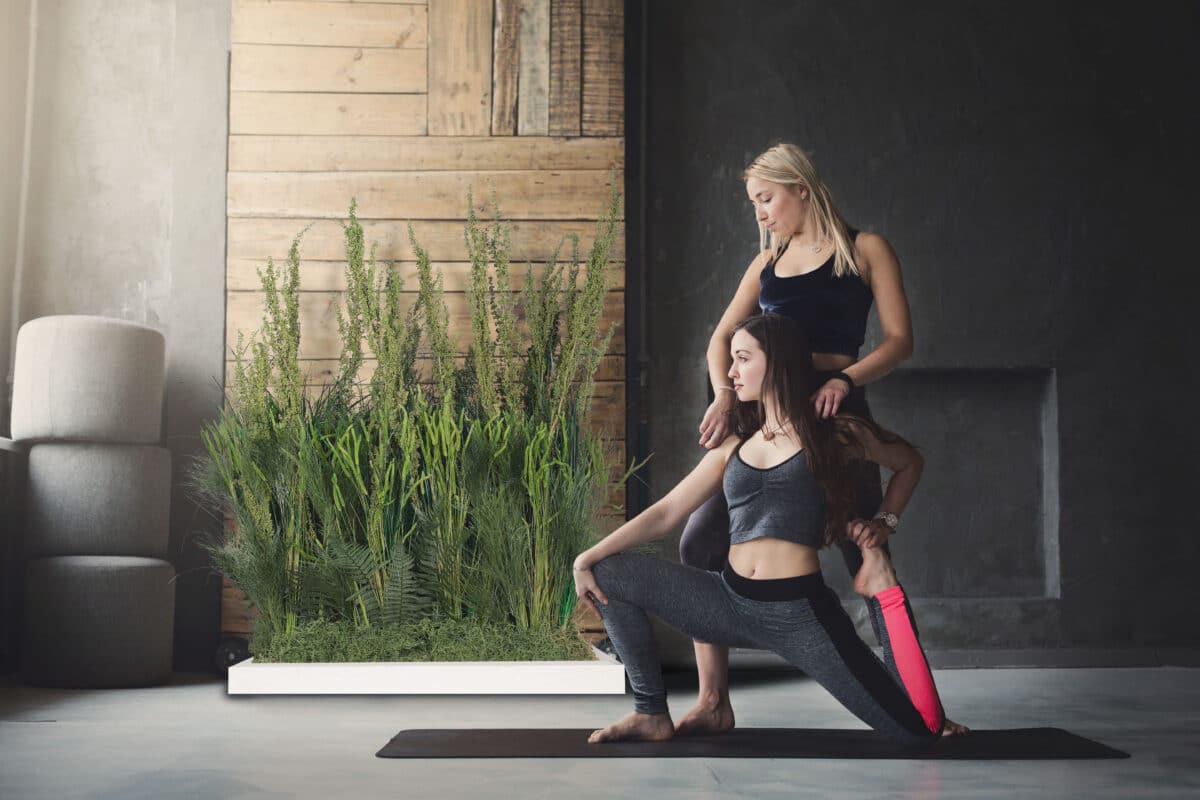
column 832, row 446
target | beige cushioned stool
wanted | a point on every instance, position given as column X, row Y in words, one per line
column 82, row 378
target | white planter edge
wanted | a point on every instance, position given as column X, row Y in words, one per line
column 602, row 676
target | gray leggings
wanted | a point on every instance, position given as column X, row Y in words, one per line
column 799, row 618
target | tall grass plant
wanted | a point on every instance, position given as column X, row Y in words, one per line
column 382, row 504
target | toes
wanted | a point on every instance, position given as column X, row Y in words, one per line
column 953, row 728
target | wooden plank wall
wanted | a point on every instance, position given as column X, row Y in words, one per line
column 404, row 105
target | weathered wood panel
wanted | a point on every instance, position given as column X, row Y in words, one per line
column 419, row 153
column 603, row 68
column 566, row 65
column 506, row 62
column 241, row 274
column 237, row 616
column 301, row 22
column 534, row 194
column 293, row 68
column 460, row 67
column 533, row 85
column 257, row 238
column 327, row 114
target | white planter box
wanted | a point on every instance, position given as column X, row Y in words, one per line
column 603, row 676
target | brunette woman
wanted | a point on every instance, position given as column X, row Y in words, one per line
column 787, row 478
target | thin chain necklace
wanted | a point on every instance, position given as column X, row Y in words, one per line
column 815, row 246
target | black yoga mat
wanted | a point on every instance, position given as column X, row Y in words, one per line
column 1020, row 743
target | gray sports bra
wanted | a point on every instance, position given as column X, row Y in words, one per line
column 783, row 502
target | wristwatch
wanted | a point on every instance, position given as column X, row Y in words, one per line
column 889, row 519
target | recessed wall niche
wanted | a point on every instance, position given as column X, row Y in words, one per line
column 984, row 521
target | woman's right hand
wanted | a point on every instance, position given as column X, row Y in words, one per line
column 587, row 590
column 828, row 399
column 715, row 425
column 867, row 532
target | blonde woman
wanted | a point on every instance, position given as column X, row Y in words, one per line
column 816, row 269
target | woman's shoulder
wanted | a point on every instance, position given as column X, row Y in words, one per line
column 872, row 249
column 729, row 445
column 869, row 241
column 759, row 262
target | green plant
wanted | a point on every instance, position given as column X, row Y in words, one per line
column 424, row 640
column 396, row 503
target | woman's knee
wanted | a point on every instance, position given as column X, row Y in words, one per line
column 610, row 570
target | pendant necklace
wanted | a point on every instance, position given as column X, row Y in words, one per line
column 769, row 434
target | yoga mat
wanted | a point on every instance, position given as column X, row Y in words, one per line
column 1018, row 744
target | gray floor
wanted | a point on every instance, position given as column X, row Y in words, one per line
column 192, row 740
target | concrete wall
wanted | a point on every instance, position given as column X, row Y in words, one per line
column 14, row 57
column 1034, row 173
column 126, row 214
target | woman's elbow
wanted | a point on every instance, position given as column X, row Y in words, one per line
column 901, row 346
column 916, row 464
column 663, row 515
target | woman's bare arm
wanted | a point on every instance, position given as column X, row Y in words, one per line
column 906, row 465
column 699, row 485
column 881, row 269
column 715, row 425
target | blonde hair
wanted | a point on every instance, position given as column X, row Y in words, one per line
column 789, row 165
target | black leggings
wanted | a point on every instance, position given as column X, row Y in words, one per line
column 705, row 540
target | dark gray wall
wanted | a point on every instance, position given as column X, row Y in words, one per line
column 1034, row 167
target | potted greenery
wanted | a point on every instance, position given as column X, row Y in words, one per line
column 414, row 533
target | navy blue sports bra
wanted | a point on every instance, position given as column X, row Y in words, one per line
column 831, row 310
column 783, row 501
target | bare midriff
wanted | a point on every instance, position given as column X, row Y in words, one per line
column 768, row 558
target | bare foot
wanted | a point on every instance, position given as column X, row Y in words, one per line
column 953, row 728
column 636, row 727
column 710, row 715
column 876, row 573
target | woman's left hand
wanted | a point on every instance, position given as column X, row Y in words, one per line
column 867, row 532
column 829, row 397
